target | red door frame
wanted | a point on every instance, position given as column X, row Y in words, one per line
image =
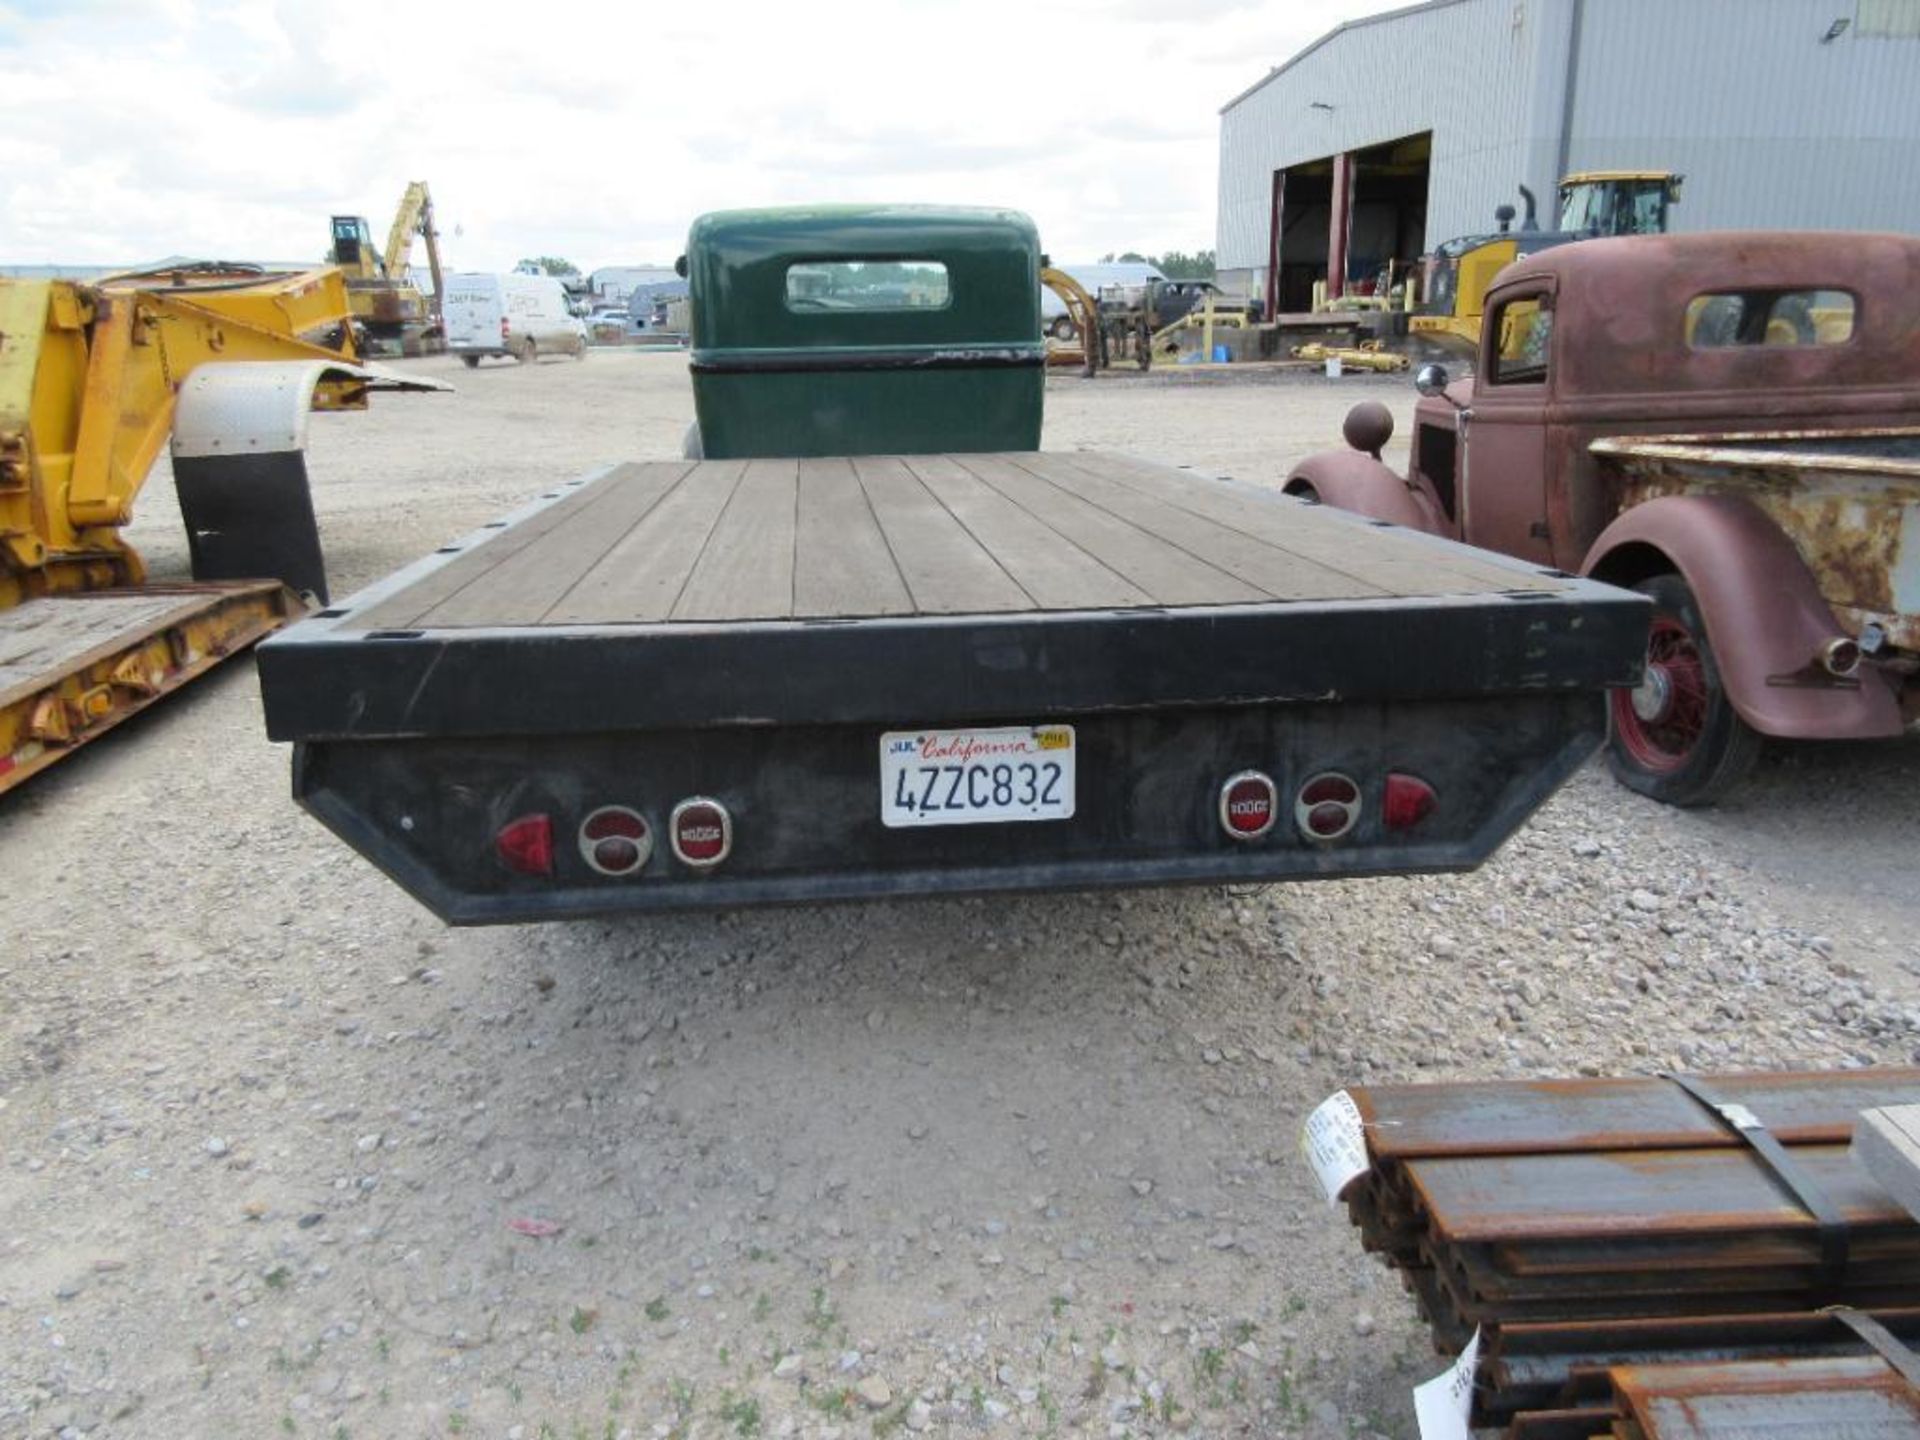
column 1340, row 224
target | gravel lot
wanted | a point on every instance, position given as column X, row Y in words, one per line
column 281, row 1155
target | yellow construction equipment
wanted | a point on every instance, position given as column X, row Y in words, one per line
column 94, row 379
column 1593, row 203
column 393, row 315
column 1367, row 355
column 1089, row 351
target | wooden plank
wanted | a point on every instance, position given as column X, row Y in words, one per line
column 745, row 571
column 1163, row 570
column 45, row 638
column 525, row 583
column 402, row 611
column 1058, row 574
column 640, row 578
column 1402, row 566
column 1271, row 568
column 946, row 570
column 841, row 563
column 1886, row 1142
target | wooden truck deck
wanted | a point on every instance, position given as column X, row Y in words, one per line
column 722, row 592
column 671, row 542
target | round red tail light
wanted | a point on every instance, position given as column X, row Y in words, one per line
column 701, row 832
column 1327, row 807
column 615, row 840
column 1408, row 801
column 1249, row 804
column 526, row 845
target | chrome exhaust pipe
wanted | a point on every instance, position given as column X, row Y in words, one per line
column 1840, row 656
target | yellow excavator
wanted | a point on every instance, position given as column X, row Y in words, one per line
column 393, row 316
column 1593, row 203
column 221, row 361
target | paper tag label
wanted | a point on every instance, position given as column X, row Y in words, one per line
column 1442, row 1405
column 1334, row 1143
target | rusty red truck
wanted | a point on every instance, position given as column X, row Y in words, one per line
column 1728, row 423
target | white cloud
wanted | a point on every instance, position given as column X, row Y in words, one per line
column 597, row 130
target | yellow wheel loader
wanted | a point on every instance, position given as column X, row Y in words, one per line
column 224, row 362
column 1593, row 203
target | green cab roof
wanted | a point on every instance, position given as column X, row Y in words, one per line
column 737, row 263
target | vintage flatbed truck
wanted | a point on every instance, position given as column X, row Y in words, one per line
column 1729, row 423
column 758, row 678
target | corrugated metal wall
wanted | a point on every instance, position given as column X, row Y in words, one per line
column 1465, row 71
column 1772, row 128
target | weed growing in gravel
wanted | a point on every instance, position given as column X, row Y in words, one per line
column 1059, row 1305
column 837, row 1402
column 286, row 1423
column 762, row 1306
column 456, row 1422
column 581, row 1320
column 893, row 1420
column 382, row 1346
column 277, row 1277
column 657, row 1310
column 1286, row 1399
column 680, row 1395
column 1050, row 1408
column 1096, row 1380
column 742, row 1412
column 821, row 1316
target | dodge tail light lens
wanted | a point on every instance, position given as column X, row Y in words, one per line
column 1407, row 802
column 526, row 845
column 1249, row 803
column 701, row 832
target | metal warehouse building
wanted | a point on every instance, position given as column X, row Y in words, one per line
column 1394, row 133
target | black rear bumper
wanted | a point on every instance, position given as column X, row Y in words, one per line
column 805, row 803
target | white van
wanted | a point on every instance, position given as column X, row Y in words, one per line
column 525, row 316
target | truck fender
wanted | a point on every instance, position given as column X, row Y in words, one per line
column 1349, row 480
column 240, row 465
column 1763, row 611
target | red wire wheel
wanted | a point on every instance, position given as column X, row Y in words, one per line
column 1660, row 723
column 1676, row 737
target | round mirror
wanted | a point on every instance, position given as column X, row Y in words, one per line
column 1431, row 380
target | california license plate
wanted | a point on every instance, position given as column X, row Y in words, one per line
column 976, row 777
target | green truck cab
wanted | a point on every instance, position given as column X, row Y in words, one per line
column 865, row 330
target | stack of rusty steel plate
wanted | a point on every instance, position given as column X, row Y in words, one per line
column 1585, row 1225
column 1849, row 1397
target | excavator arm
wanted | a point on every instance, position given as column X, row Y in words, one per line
column 414, row 217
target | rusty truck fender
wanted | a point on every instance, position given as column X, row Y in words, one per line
column 1763, row 612
column 1349, row 480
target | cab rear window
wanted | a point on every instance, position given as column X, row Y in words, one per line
column 815, row 286
column 1728, row 318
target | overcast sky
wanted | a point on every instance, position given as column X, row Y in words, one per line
column 133, row 129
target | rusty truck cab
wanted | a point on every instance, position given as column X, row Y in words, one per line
column 1725, row 421
column 1663, row 335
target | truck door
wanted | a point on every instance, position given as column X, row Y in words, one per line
column 1504, row 484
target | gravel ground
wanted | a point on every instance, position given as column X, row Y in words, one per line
column 280, row 1155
